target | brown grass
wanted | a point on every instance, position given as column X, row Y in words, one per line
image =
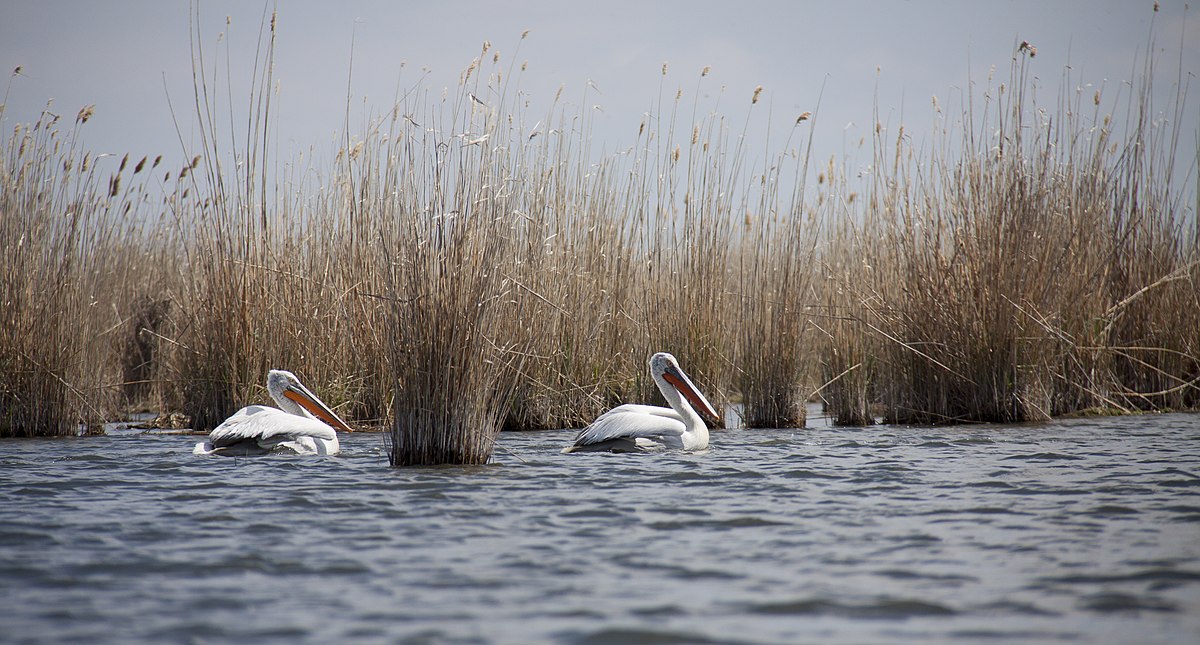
column 466, row 266
column 996, row 287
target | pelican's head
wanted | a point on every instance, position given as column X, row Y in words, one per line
column 284, row 387
column 663, row 366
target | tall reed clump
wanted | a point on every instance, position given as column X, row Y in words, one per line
column 69, row 240
column 847, row 337
column 1003, row 270
column 42, row 228
column 775, row 295
column 224, row 345
column 1148, row 332
column 453, row 349
column 271, row 279
column 447, row 221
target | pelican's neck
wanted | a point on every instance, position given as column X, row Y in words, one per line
column 695, row 425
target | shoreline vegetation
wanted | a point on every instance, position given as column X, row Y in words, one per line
column 469, row 265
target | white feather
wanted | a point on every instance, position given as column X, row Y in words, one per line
column 665, row 430
column 258, row 429
column 633, row 427
column 270, row 428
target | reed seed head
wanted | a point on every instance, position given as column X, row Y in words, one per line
column 757, row 93
column 85, row 112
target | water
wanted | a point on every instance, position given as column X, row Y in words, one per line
column 1080, row 530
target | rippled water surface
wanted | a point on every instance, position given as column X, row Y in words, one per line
column 1080, row 530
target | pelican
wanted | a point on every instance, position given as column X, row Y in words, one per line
column 633, row 428
column 302, row 424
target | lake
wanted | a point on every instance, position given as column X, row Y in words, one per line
column 1083, row 530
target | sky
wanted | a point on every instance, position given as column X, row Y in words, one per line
column 132, row 59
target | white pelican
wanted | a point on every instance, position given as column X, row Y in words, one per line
column 302, row 423
column 631, row 427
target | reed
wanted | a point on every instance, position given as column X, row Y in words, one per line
column 68, row 234
column 452, row 239
column 224, row 344
column 270, row 276
column 775, row 282
column 996, row 275
column 39, row 283
column 466, row 265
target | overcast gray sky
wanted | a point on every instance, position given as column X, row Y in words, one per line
column 127, row 56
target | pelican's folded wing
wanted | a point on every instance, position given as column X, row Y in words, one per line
column 266, row 428
column 631, row 427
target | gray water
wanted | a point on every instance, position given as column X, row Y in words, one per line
column 1076, row 531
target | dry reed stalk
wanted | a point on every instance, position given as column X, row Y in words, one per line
column 38, row 274
column 454, row 248
column 775, row 296
column 998, row 283
column 459, row 270
column 455, row 316
column 67, row 236
column 453, row 365
column 248, row 305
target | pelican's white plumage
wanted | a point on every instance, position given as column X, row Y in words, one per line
column 302, row 424
column 632, row 427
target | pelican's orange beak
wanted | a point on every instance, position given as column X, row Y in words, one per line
column 689, row 391
column 317, row 408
